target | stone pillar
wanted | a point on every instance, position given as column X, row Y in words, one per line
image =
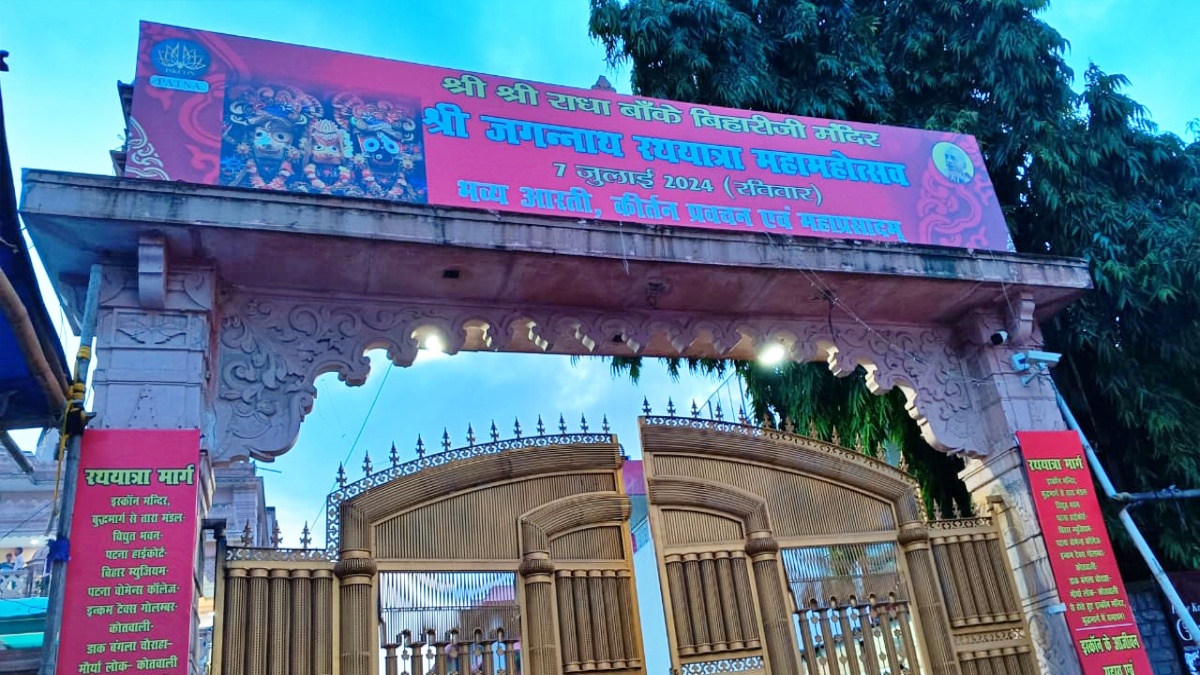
column 154, row 361
column 541, row 644
column 358, row 618
column 155, row 336
column 1007, row 404
column 781, row 646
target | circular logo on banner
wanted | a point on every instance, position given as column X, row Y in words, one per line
column 180, row 58
column 953, row 162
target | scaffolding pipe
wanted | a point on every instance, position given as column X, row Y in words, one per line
column 70, row 460
column 1168, row 494
column 1139, row 542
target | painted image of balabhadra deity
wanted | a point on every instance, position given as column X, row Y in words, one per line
column 347, row 144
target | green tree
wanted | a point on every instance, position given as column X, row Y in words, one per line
column 1077, row 174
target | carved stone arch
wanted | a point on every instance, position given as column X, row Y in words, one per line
column 271, row 349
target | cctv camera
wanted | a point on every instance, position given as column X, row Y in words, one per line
column 1044, row 359
column 1023, row 361
column 1000, row 337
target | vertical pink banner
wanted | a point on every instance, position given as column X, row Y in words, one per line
column 130, row 583
column 1099, row 616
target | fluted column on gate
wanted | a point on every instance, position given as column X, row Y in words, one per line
column 300, row 662
column 322, row 600
column 356, row 571
column 541, row 644
column 778, row 636
column 237, row 596
column 927, row 593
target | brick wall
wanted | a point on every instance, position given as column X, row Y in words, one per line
column 1157, row 626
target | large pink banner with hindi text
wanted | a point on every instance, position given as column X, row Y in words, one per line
column 221, row 110
column 130, row 591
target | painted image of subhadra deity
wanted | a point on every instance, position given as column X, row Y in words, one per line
column 281, row 138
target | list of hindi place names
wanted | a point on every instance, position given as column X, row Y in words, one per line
column 129, row 590
column 1089, row 584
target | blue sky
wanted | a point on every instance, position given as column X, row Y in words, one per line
column 63, row 114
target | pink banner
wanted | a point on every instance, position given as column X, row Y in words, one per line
column 130, row 589
column 222, row 110
column 1099, row 616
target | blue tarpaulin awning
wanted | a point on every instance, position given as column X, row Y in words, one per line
column 33, row 378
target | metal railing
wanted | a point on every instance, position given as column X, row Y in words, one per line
column 27, row 582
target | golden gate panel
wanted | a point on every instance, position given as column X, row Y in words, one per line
column 786, row 555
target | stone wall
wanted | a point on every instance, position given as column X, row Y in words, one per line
column 1157, row 626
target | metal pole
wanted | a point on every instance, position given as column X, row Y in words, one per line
column 58, row 566
column 1139, row 542
column 1168, row 494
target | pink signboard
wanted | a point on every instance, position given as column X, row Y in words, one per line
column 221, row 110
column 128, row 600
column 1099, row 616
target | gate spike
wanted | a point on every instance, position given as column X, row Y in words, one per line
column 767, row 420
column 695, row 410
column 395, row 457
column 645, row 406
column 604, row 425
column 276, row 535
column 445, row 439
column 420, row 447
column 541, row 428
column 720, row 417
column 562, row 424
column 470, row 436
column 789, row 426
column 583, row 423
column 836, row 438
column 366, row 466
column 495, row 432
column 517, row 427
column 742, row 416
column 341, row 476
column 247, row 535
column 305, row 537
column 670, row 407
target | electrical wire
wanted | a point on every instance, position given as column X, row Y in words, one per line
column 20, row 524
column 357, row 437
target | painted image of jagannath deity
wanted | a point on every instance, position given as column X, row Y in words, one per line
column 953, row 162
column 348, row 144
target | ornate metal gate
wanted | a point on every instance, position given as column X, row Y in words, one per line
column 785, row 555
column 777, row 554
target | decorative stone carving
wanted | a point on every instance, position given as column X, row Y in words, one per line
column 152, row 270
column 272, row 349
column 153, row 364
column 1055, row 653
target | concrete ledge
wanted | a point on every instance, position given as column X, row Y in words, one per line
column 361, row 246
